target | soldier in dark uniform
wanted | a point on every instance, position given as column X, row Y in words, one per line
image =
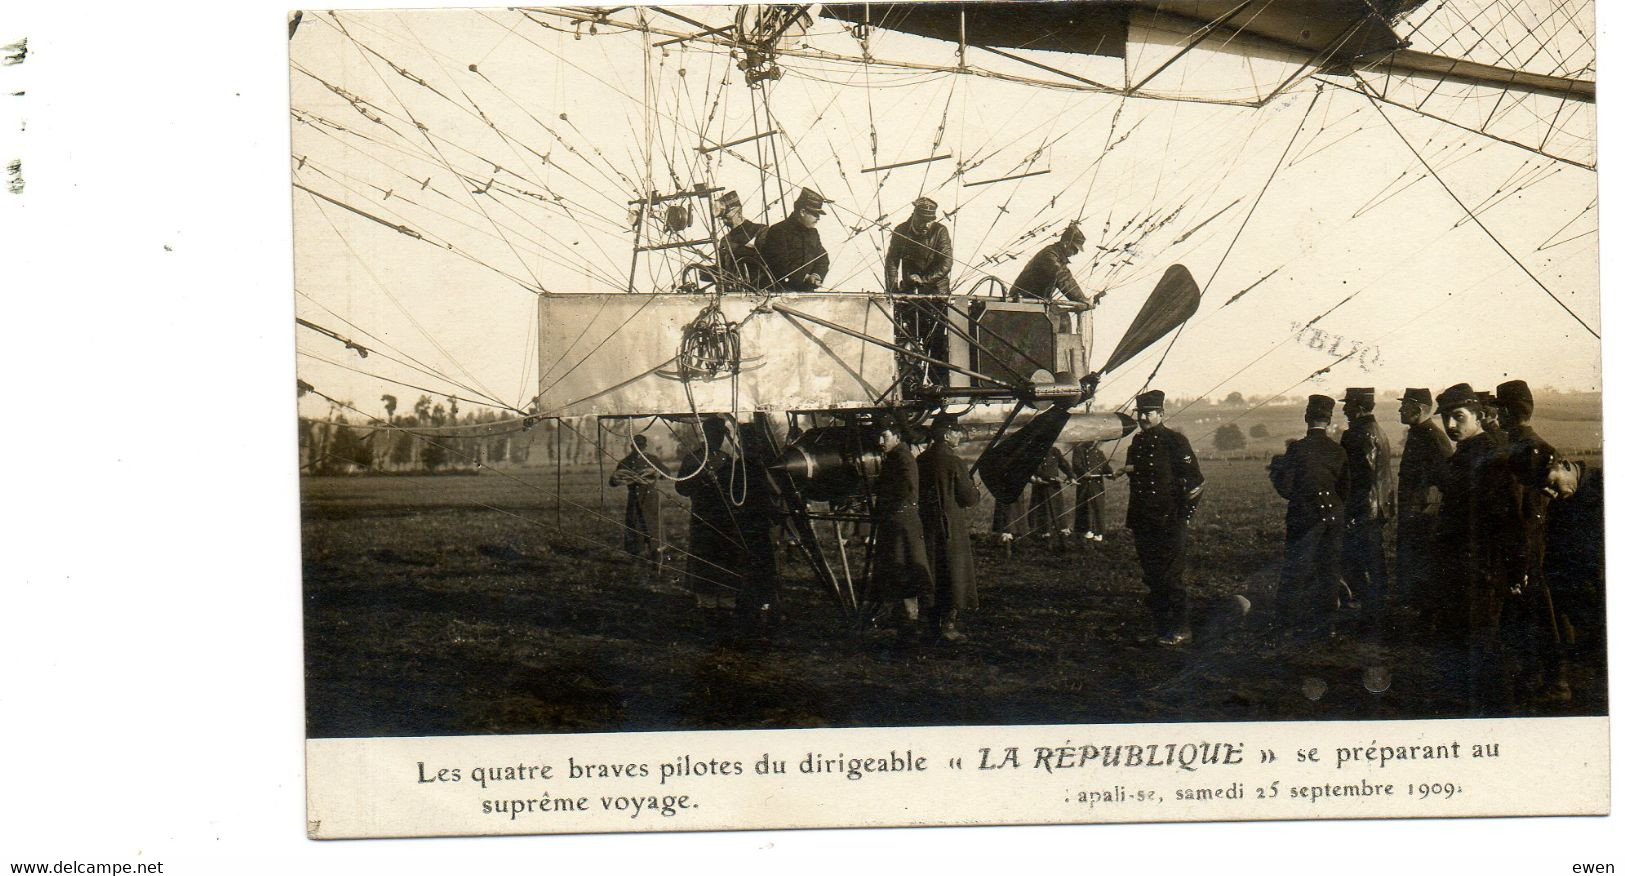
column 715, row 551
column 1478, row 526
column 1417, row 497
column 1091, row 468
column 1010, row 522
column 1370, row 505
column 794, row 253
column 1574, row 569
column 1530, row 625
column 757, row 513
column 1047, row 275
column 946, row 496
column 919, row 260
column 902, row 571
column 1048, row 491
column 740, row 262
column 639, row 475
column 1313, row 477
column 1164, row 485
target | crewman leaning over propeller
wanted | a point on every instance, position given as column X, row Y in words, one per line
column 1047, row 275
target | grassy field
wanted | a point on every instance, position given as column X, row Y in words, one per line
column 482, row 604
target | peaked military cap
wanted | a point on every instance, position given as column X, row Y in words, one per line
column 1514, row 395
column 1320, row 408
column 1149, row 401
column 925, row 206
column 1360, row 395
column 1423, row 397
column 811, row 201
column 1459, row 396
column 944, row 423
column 1072, row 234
column 729, row 200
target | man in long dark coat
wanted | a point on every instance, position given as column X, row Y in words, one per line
column 757, row 512
column 1046, row 274
column 1048, row 499
column 1530, row 626
column 1313, row 477
column 1417, row 497
column 902, row 571
column 1091, row 468
column 715, row 549
column 1478, row 531
column 639, row 474
column 791, row 248
column 1165, row 483
column 1369, row 506
column 946, row 495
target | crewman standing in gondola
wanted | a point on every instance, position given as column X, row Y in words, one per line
column 919, row 261
column 1165, row 483
column 737, row 257
column 793, row 251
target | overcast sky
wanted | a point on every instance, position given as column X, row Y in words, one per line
column 1349, row 212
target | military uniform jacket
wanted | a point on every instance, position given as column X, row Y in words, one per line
column 739, row 255
column 1371, row 484
column 1314, row 478
column 706, row 491
column 1165, row 471
column 1047, row 274
column 1528, row 457
column 1426, row 449
column 1478, row 513
column 1089, row 463
column 1054, row 470
column 929, row 254
column 946, row 492
column 793, row 253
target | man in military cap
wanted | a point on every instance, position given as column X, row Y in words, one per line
column 1531, row 624
column 919, row 260
column 737, row 257
column 1164, row 485
column 902, row 569
column 1046, row 274
column 1478, row 525
column 1417, row 496
column 946, row 496
column 1313, row 477
column 1369, row 505
column 793, row 251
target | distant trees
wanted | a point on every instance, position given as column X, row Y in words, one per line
column 1235, row 399
column 1229, row 437
column 1259, row 430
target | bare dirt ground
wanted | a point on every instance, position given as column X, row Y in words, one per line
column 479, row 604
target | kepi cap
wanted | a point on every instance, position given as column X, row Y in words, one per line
column 1319, row 408
column 1360, row 395
column 1421, row 396
column 925, row 206
column 811, row 201
column 1514, row 395
column 1459, row 396
column 1149, row 401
